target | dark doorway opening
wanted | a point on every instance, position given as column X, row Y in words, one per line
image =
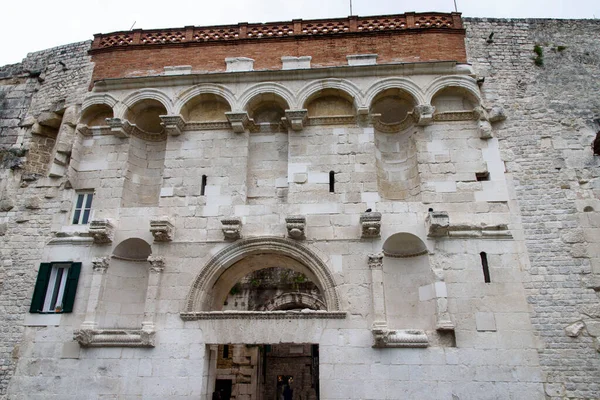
column 266, row 372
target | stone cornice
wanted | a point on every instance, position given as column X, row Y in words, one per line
column 344, row 71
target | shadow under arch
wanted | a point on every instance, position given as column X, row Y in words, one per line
column 205, row 287
column 466, row 83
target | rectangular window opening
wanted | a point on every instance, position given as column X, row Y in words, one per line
column 83, row 208
column 55, row 287
column 486, row 269
column 482, row 176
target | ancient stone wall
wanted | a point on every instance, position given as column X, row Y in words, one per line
column 47, row 81
column 546, row 74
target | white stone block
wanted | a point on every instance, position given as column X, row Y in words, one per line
column 362, row 59
column 281, row 182
column 445, row 186
column 336, row 262
column 239, row 64
column 212, row 190
column 426, row 292
column 440, row 289
column 485, row 322
column 42, row 319
column 492, row 191
column 296, row 168
column 166, row 192
column 100, row 165
column 289, row 62
column 300, row 178
column 318, row 177
column 70, row 350
column 321, row 208
column 370, row 197
column 178, row 70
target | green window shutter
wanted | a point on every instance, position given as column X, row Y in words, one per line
column 39, row 293
column 71, row 287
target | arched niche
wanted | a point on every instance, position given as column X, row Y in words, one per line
column 267, row 108
column 406, row 275
column 226, row 268
column 206, row 107
column 330, row 102
column 454, row 98
column 145, row 114
column 393, row 105
column 96, row 114
column 124, row 294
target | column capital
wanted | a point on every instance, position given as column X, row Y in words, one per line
column 376, row 261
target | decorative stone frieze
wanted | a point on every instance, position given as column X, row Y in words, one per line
column 296, row 118
column 438, row 223
column 120, row 128
column 424, row 114
column 173, row 124
column 232, row 228
column 230, row 314
column 239, row 121
column 399, row 338
column 114, row 337
column 102, row 230
column 371, row 225
column 295, row 225
column 376, row 261
column 162, row 229
column 100, row 264
column 157, row 264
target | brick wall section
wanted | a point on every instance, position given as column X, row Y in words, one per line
column 546, row 145
column 24, row 231
column 430, row 45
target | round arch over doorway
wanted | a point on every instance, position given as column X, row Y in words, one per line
column 247, row 255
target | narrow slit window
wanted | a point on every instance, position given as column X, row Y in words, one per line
column 226, row 351
column 486, row 269
column 331, row 182
column 203, row 185
column 482, row 176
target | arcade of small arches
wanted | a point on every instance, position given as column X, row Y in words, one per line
column 390, row 105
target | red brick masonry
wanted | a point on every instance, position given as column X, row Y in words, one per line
column 407, row 37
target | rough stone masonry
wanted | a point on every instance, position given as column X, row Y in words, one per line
column 167, row 166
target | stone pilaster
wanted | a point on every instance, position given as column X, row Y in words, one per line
column 100, row 266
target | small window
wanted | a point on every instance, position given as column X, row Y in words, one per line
column 55, row 287
column 331, row 182
column 83, row 208
column 485, row 266
column 203, row 185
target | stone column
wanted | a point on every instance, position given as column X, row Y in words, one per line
column 377, row 290
column 100, row 266
column 157, row 266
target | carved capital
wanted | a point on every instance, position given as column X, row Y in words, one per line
column 162, row 229
column 438, row 223
column 295, row 225
column 120, row 128
column 371, row 224
column 296, row 118
column 173, row 124
column 424, row 114
column 157, row 264
column 102, row 230
column 376, row 261
column 100, row 264
column 232, row 228
column 239, row 121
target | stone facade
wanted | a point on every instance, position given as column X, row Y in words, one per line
column 443, row 215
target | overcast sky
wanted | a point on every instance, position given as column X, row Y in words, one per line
column 41, row 24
